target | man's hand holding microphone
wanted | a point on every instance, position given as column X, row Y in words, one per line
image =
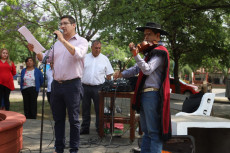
column 58, row 35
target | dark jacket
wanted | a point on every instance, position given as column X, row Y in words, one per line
column 192, row 103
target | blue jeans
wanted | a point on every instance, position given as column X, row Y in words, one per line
column 150, row 123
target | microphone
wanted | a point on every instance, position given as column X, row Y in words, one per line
column 41, row 66
column 56, row 34
column 47, row 56
column 44, row 59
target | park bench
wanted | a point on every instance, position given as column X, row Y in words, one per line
column 210, row 132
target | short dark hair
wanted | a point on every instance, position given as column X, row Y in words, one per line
column 95, row 42
column 71, row 19
column 26, row 60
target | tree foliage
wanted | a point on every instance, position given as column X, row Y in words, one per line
column 198, row 30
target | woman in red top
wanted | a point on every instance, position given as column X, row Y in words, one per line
column 7, row 71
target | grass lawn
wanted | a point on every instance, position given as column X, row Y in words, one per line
column 17, row 106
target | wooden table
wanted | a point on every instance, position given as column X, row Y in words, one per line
column 108, row 119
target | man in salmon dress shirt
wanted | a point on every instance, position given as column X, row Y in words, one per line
column 67, row 56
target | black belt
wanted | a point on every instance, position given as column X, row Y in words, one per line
column 91, row 85
column 66, row 81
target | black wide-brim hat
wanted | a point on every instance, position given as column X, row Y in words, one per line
column 152, row 25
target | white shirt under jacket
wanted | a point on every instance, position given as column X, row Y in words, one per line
column 96, row 69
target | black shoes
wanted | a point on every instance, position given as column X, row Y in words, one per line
column 83, row 131
column 97, row 130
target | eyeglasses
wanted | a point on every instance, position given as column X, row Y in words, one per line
column 64, row 23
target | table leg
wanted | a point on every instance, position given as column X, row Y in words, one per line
column 112, row 104
column 132, row 122
column 101, row 116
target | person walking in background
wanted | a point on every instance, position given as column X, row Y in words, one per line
column 7, row 71
column 68, row 55
column 49, row 76
column 31, row 81
column 96, row 68
column 152, row 92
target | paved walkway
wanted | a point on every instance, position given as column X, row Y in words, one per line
column 88, row 143
column 92, row 143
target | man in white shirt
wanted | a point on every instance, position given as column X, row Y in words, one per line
column 96, row 67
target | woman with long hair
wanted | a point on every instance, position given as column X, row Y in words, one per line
column 7, row 71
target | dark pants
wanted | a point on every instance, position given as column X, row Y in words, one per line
column 48, row 96
column 90, row 93
column 5, row 94
column 66, row 95
column 30, row 96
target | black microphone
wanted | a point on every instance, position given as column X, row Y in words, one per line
column 44, row 59
column 41, row 66
column 56, row 34
column 47, row 56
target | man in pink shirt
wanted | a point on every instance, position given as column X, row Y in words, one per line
column 67, row 56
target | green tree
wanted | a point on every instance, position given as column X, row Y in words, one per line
column 196, row 28
column 13, row 16
column 196, row 31
column 41, row 18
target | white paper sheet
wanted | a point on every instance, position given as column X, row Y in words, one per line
column 31, row 39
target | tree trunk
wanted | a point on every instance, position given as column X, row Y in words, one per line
column 176, row 77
